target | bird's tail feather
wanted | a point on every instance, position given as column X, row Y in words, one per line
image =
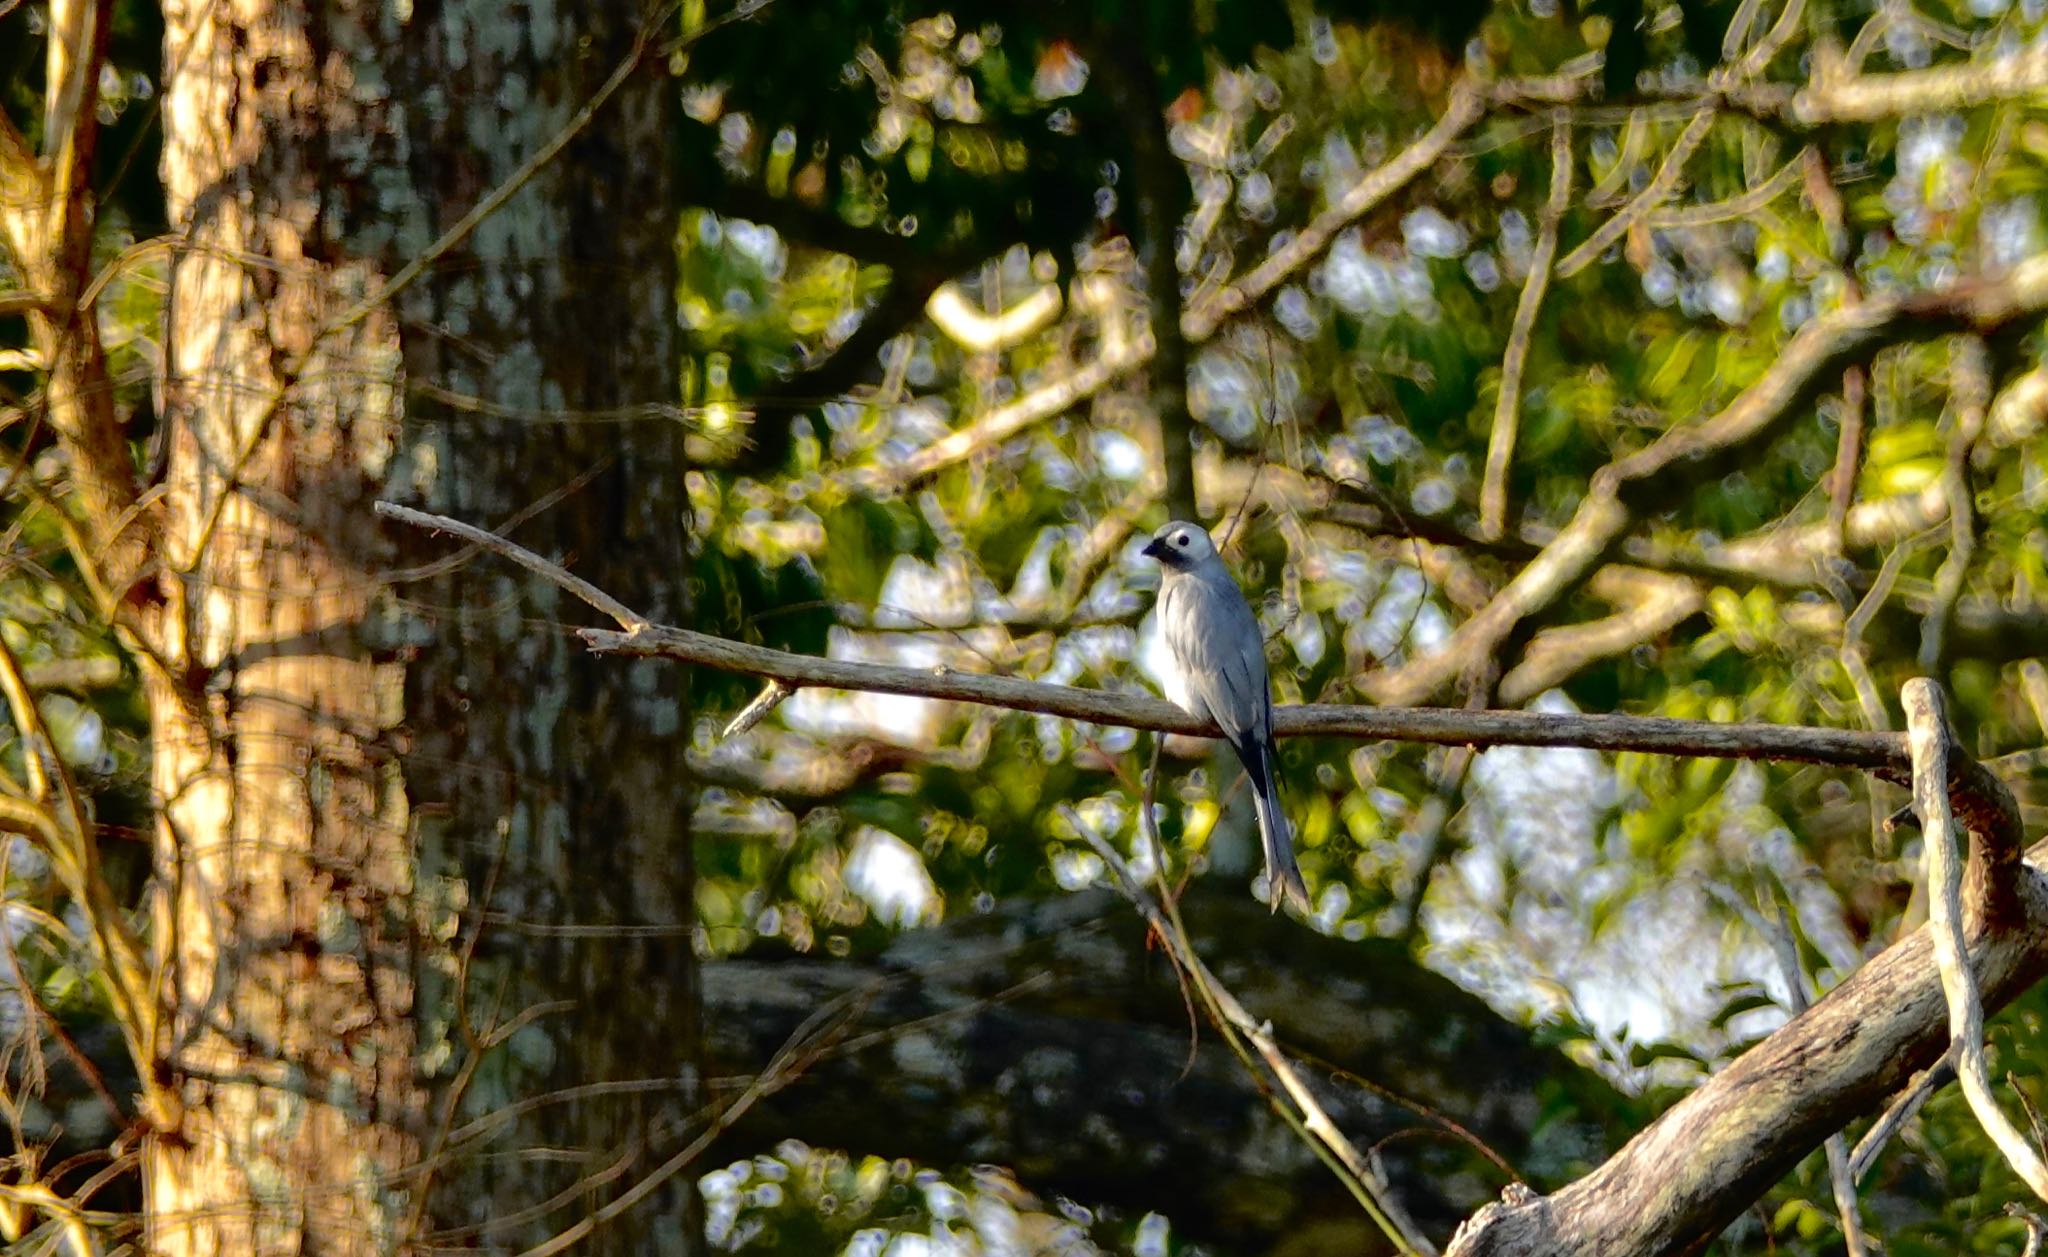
column 1283, row 875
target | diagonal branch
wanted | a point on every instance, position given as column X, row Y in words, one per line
column 1659, row 190
column 1008, row 420
column 1678, row 1183
column 1817, row 353
column 1308, row 1117
column 1467, row 107
column 1507, row 411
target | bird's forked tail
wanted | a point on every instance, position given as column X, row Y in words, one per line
column 1283, row 875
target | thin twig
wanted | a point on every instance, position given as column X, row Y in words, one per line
column 1660, row 187
column 1933, row 746
column 1782, row 181
column 1466, row 108
column 1841, row 1182
column 1507, row 410
column 770, row 697
column 1970, row 387
column 624, row 616
column 1308, row 1116
column 59, row 817
column 1898, row 1113
column 1872, row 751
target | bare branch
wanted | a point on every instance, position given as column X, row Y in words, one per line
column 1784, row 180
column 1309, row 1118
column 1990, row 806
column 57, row 817
column 1835, row 96
column 1818, row 351
column 1933, row 747
column 1678, row 1183
column 1008, row 420
column 625, row 616
column 1659, row 190
column 770, row 697
column 1654, row 604
column 1507, row 410
column 1467, row 106
column 1897, row 1114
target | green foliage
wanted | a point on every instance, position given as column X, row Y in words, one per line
column 849, row 155
column 1376, row 376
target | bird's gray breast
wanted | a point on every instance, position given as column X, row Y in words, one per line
column 1214, row 641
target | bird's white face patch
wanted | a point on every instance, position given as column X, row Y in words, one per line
column 1186, row 543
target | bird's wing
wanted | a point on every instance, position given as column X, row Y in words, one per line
column 1215, row 639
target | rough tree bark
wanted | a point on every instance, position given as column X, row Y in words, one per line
column 371, row 810
column 548, row 785
column 285, row 928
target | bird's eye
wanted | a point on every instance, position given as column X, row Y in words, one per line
column 1181, row 541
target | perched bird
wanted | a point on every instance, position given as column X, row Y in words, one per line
column 1218, row 670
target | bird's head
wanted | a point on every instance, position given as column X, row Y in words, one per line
column 1180, row 546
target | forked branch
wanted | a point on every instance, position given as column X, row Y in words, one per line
column 1678, row 1183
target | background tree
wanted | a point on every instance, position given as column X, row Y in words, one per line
column 335, row 810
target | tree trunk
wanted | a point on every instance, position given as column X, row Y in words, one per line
column 548, row 783
column 284, row 924
column 404, row 843
column 1052, row 1038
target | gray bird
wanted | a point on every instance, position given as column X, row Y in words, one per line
column 1219, row 671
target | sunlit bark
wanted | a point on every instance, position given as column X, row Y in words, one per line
column 284, row 924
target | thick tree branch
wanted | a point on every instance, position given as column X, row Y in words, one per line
column 1817, row 353
column 1681, row 1181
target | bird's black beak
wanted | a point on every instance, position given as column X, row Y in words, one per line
column 1155, row 549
